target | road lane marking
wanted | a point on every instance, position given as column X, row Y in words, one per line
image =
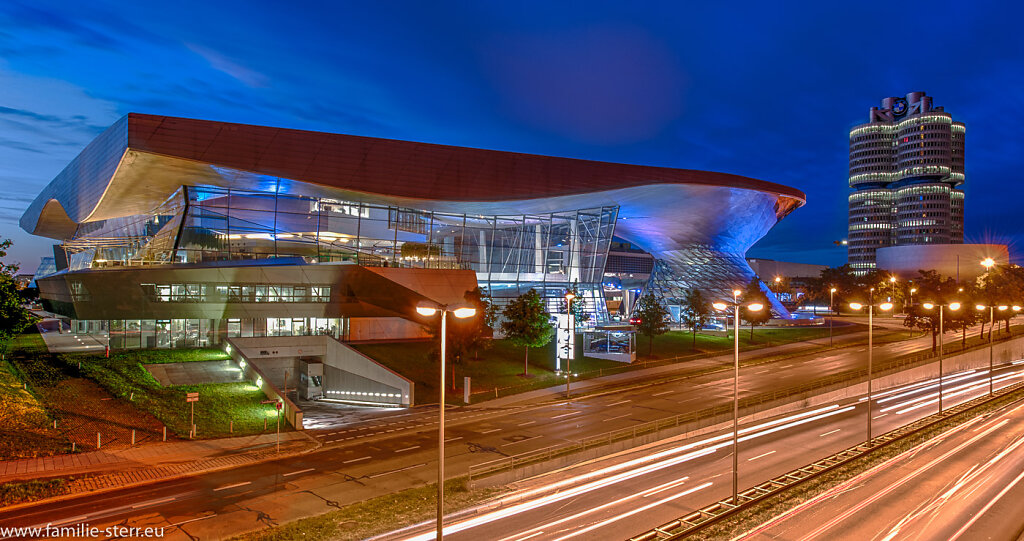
column 761, row 456
column 408, row 449
column 567, row 414
column 489, row 431
column 515, row 538
column 526, row 423
column 72, row 519
column 830, row 432
column 618, row 403
column 356, row 460
column 521, row 441
column 157, row 502
column 618, row 417
column 453, row 439
column 663, row 392
column 236, row 485
column 298, row 472
column 880, row 416
column 382, row 474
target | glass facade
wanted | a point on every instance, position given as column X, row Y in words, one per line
column 192, row 333
column 511, row 254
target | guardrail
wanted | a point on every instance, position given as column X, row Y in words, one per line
column 653, row 430
column 714, row 513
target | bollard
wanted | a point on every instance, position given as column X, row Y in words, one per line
column 133, row 436
column 54, row 423
column 165, row 432
column 72, row 447
column 131, row 396
column 231, row 427
column 98, row 440
column 264, row 423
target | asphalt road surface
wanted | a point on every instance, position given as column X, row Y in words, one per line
column 965, row 484
column 397, row 450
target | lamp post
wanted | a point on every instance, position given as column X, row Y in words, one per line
column 831, row 314
column 428, row 309
column 871, row 314
column 991, row 323
column 912, row 291
column 569, row 296
column 954, row 306
column 892, row 280
column 753, row 307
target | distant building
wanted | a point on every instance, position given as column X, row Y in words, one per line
column 906, row 167
column 959, row 261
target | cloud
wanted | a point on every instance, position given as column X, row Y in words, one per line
column 231, row 67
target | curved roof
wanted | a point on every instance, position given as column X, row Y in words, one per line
column 135, row 164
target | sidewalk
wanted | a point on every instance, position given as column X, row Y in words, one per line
column 156, row 461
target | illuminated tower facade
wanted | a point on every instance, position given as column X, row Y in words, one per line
column 906, row 169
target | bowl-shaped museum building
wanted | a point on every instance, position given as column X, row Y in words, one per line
column 179, row 232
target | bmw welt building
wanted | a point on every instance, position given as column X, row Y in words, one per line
column 176, row 232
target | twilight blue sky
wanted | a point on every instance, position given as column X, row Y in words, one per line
column 762, row 89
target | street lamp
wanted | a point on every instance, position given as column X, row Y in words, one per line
column 912, row 291
column 753, row 307
column 831, row 314
column 871, row 314
column 954, row 306
column 428, row 309
column 892, row 280
column 988, row 262
column 569, row 296
column 991, row 325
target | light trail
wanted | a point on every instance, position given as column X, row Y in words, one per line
column 628, row 514
column 794, row 420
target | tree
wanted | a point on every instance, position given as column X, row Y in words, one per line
column 652, row 316
column 577, row 307
column 752, row 294
column 1001, row 285
column 696, row 311
column 934, row 288
column 14, row 318
column 527, row 324
column 467, row 336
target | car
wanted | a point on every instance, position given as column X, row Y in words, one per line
column 635, row 321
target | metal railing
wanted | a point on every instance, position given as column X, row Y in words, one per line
column 719, row 511
column 638, row 434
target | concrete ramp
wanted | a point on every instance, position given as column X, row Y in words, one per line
column 348, row 375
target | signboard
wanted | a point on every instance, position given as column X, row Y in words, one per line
column 566, row 344
column 192, row 397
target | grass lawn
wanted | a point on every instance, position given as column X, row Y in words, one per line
column 26, row 429
column 219, row 404
column 500, row 366
column 378, row 515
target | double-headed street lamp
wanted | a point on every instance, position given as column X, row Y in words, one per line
column 885, row 306
column 831, row 314
column 954, row 306
column 460, row 311
column 892, row 280
column 753, row 307
column 991, row 326
column 569, row 296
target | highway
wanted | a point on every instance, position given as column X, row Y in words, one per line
column 620, row 500
column 965, row 484
column 397, row 450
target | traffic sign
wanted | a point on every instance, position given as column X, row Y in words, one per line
column 192, row 397
column 268, row 401
column 279, row 406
